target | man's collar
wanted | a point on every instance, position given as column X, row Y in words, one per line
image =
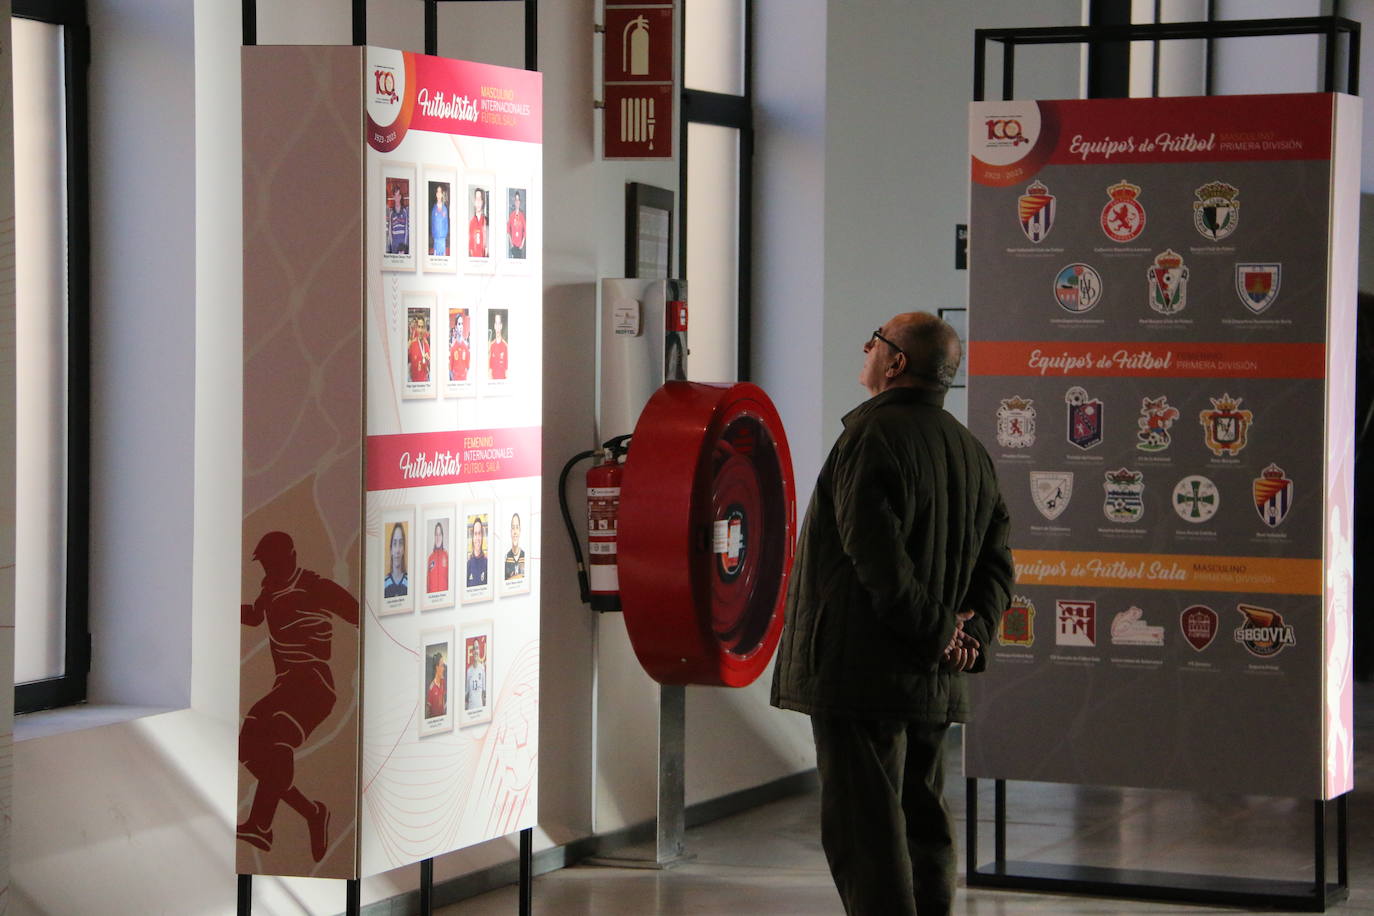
column 901, row 394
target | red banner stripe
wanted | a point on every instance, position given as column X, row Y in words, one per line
column 467, row 456
column 1146, row 359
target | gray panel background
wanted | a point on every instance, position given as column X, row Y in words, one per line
column 1220, row 720
column 1284, row 213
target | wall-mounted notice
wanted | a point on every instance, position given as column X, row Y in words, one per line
column 392, row 435
column 1162, row 302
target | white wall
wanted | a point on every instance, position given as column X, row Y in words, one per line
column 899, row 77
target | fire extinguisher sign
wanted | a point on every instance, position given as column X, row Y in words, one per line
column 637, row 81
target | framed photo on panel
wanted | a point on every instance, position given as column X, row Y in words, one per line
column 498, row 348
column 436, row 528
column 395, row 588
column 417, row 353
column 461, row 368
column 478, row 689
column 436, row 683
column 478, row 207
column 477, row 571
column 514, row 538
column 399, row 227
column 514, row 246
column 438, row 219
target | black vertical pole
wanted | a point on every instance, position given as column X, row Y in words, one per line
column 971, row 823
column 431, row 27
column 1319, row 837
column 426, row 887
column 999, row 825
column 526, row 871
column 250, row 38
column 980, row 51
column 1329, row 70
column 1342, row 846
column 76, row 46
column 250, row 22
column 1352, row 73
column 1154, row 59
column 1008, row 68
column 1109, row 62
column 531, row 34
column 1211, row 48
column 527, row 835
column 359, row 22
column 353, row 903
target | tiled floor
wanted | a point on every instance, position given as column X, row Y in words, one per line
column 769, row 861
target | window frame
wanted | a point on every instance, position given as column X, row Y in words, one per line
column 70, row 687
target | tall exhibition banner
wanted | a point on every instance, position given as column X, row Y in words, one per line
column 392, row 436
column 1161, row 360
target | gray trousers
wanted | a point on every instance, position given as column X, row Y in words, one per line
column 886, row 831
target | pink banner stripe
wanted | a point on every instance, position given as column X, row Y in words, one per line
column 429, row 459
column 479, row 100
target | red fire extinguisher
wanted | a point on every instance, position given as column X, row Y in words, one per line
column 603, row 510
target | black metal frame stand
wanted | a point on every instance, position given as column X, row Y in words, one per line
column 359, row 20
column 1140, row 884
column 1002, row 873
column 1096, row 35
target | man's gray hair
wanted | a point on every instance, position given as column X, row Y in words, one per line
column 935, row 352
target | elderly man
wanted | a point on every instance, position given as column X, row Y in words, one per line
column 902, row 573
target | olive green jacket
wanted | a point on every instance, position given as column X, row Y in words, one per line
column 906, row 528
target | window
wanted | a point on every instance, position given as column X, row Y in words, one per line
column 52, row 649
column 717, row 157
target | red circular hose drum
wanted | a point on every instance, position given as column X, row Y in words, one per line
column 707, row 533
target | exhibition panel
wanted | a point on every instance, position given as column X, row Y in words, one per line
column 393, row 340
column 1161, row 358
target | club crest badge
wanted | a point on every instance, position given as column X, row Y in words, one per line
column 1168, row 277
column 1199, row 624
column 1226, row 426
column 1077, row 288
column 1257, row 285
column 1263, row 632
column 1125, row 501
column 1085, row 418
column 1051, row 491
column 1129, row 628
column 1123, row 219
column 1018, row 624
column 1273, row 495
column 1016, row 423
column 1196, row 499
column 1216, row 212
column 1036, row 211
column 1077, row 623
column 1156, row 418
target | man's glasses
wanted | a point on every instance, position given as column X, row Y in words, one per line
column 877, row 335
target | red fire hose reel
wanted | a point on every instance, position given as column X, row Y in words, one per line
column 706, row 533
